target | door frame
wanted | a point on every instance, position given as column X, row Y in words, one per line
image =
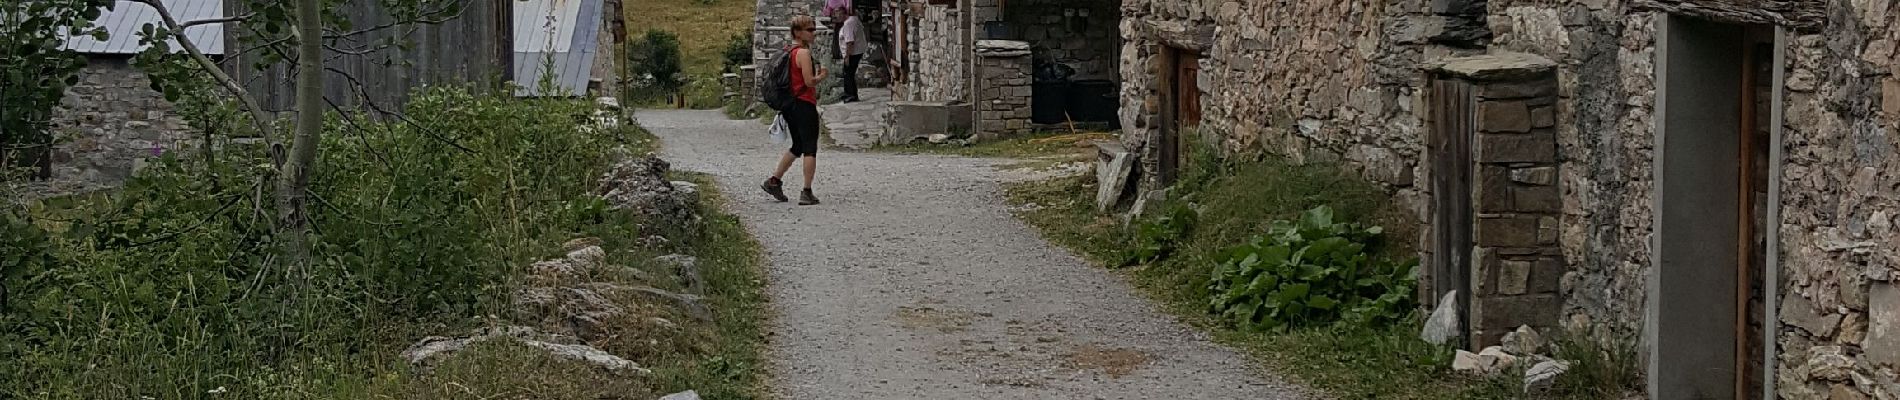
column 1771, row 227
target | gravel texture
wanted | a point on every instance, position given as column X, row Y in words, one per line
column 913, row 281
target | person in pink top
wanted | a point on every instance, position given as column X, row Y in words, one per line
column 802, row 116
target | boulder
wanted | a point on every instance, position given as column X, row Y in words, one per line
column 1523, row 342
column 425, row 352
column 686, row 395
column 1465, row 361
column 687, row 267
column 1442, row 326
column 1541, row 376
column 639, row 184
column 1495, row 359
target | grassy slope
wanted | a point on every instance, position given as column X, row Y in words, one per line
column 703, row 28
column 1237, row 201
column 722, row 359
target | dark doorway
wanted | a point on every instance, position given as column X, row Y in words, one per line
column 1715, row 88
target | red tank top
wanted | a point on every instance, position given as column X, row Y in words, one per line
column 800, row 90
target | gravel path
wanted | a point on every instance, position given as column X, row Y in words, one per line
column 912, row 281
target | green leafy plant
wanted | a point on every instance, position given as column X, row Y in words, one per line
column 656, row 62
column 1310, row 272
column 1156, row 238
column 738, row 52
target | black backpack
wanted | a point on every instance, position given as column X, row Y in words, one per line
column 775, row 88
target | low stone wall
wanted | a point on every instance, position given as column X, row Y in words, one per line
column 1003, row 90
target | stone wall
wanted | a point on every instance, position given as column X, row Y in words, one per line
column 109, row 123
column 1515, row 195
column 939, row 58
column 1318, row 80
column 1003, row 90
column 770, row 35
column 1080, row 34
column 1840, row 193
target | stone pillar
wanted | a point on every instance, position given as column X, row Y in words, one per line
column 748, row 85
column 1516, row 260
column 1002, row 88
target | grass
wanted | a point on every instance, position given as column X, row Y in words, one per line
column 1036, row 145
column 1236, row 200
column 703, row 26
column 734, row 367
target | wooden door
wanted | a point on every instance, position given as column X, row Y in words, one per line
column 1452, row 129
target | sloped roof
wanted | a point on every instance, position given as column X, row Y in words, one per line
column 559, row 38
column 127, row 18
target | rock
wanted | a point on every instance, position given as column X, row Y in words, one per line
column 582, row 311
column 553, row 272
column 640, row 185
column 588, row 258
column 579, row 243
column 686, row 188
column 1798, row 311
column 424, row 352
column 1523, row 342
column 939, row 138
column 1882, row 340
column 1116, row 164
column 608, row 103
column 1829, row 363
column 692, row 305
column 1442, row 326
column 1495, row 359
column 687, row 267
column 1541, row 376
column 686, row 395
column 588, row 354
column 1465, row 361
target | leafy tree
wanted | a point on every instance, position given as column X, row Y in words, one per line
column 658, row 59
column 35, row 72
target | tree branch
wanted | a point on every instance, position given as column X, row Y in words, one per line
column 225, row 20
column 210, row 67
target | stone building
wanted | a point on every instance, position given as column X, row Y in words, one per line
column 112, row 122
column 1714, row 180
column 771, row 34
column 1004, row 67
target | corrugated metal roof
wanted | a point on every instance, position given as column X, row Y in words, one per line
column 546, row 25
column 568, row 31
column 127, row 18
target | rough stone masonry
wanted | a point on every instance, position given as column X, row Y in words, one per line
column 1318, row 80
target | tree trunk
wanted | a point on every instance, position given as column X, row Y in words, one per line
column 294, row 181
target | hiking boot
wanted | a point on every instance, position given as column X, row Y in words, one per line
column 773, row 186
column 805, row 198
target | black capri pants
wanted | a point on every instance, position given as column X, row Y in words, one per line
column 802, row 119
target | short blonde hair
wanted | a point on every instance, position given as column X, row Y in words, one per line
column 803, row 21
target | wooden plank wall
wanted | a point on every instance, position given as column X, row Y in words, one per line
column 473, row 47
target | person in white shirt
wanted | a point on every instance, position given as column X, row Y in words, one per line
column 851, row 38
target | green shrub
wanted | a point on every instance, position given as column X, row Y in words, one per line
column 171, row 286
column 655, row 62
column 738, row 52
column 1156, row 238
column 1311, row 272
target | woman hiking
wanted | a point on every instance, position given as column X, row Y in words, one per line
column 802, row 116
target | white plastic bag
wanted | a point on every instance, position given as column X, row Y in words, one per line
column 779, row 130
